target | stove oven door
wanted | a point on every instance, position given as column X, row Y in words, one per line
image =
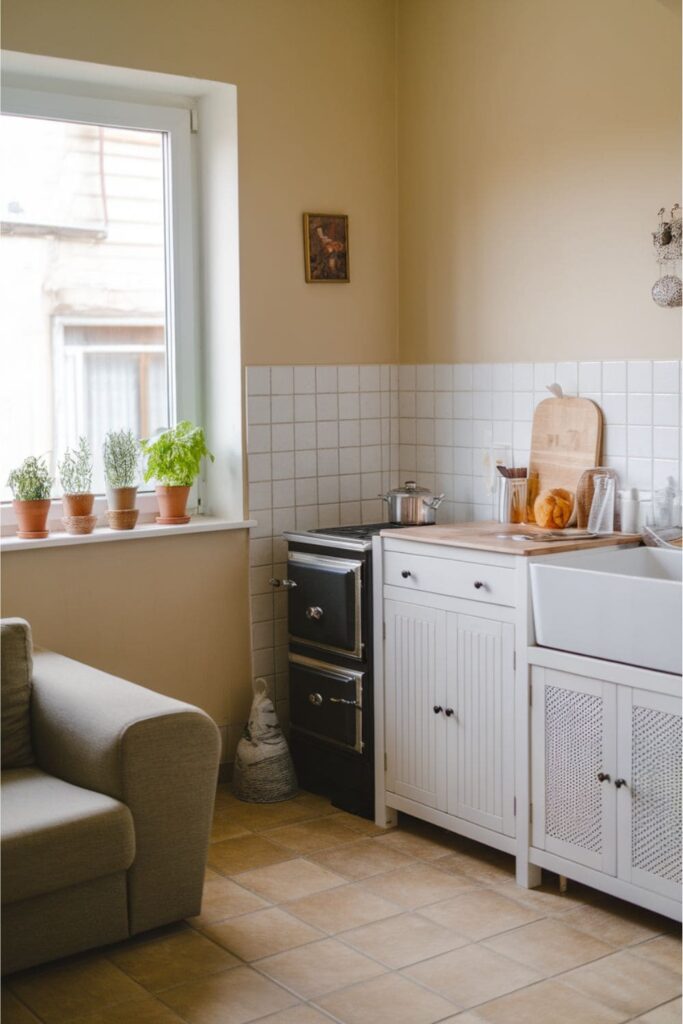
column 326, row 701
column 325, row 603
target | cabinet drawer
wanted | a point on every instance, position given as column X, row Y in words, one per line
column 490, row 584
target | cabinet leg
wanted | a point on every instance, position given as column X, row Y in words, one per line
column 527, row 875
column 385, row 817
column 563, row 884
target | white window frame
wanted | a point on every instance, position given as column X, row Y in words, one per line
column 180, row 219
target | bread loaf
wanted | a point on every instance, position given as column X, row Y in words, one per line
column 554, row 508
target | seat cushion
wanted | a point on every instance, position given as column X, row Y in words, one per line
column 15, row 672
column 55, row 834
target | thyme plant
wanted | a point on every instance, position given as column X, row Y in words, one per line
column 75, row 469
column 121, row 455
column 174, row 458
column 31, row 481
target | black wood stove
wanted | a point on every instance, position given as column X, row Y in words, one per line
column 329, row 579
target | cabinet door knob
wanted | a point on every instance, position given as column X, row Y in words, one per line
column 406, row 573
column 314, row 612
column 478, row 584
column 449, row 712
column 603, row 777
column 437, row 708
column 619, row 783
column 274, row 582
column 288, row 584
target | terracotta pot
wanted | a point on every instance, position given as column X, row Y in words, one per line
column 78, row 505
column 121, row 498
column 32, row 518
column 172, row 505
column 79, row 525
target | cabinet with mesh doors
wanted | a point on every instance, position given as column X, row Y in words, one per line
column 606, row 784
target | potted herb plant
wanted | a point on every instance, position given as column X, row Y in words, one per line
column 75, row 475
column 174, row 459
column 31, row 485
column 121, row 475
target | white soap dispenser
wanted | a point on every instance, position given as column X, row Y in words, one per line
column 630, row 511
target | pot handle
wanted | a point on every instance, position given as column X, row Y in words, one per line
column 434, row 502
column 384, row 497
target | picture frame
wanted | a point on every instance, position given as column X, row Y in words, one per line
column 326, row 248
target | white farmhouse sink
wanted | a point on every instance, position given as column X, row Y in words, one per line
column 621, row 604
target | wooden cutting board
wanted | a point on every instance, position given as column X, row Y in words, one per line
column 566, row 439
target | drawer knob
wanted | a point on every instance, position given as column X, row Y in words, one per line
column 619, row 783
column 603, row 777
column 449, row 712
column 437, row 708
column 478, row 584
column 406, row 573
column 314, row 612
column 315, row 698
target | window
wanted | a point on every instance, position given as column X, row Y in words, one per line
column 97, row 268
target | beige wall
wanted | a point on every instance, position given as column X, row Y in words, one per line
column 315, row 93
column 171, row 614
column 537, row 140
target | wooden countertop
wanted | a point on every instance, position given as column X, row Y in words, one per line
column 485, row 537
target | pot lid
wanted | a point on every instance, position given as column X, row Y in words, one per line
column 409, row 490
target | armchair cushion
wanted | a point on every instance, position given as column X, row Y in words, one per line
column 16, row 671
column 56, row 835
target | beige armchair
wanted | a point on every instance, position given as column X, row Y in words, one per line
column 106, row 816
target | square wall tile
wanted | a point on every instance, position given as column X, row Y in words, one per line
column 640, row 376
column 282, row 380
column 407, row 378
column 522, row 376
column 305, row 463
column 639, row 409
column 614, row 376
column 369, row 378
column 258, row 410
column 462, row 377
column 259, row 467
column 349, row 433
column 502, row 376
column 304, row 436
column 666, row 443
column 283, row 465
column 326, row 407
column 443, row 377
column 348, row 378
column 425, row 378
column 306, row 491
column 666, row 377
column 590, row 377
column 282, row 409
column 304, row 408
column 614, row 408
column 544, row 374
column 326, row 379
column 567, row 376
column 349, row 407
column 666, row 410
column 639, row 443
column 283, row 437
column 258, row 380
column 328, row 434
column 304, row 380
column 482, row 377
column 349, row 460
column 370, row 405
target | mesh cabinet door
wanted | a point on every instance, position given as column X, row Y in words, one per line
column 649, row 800
column 573, row 744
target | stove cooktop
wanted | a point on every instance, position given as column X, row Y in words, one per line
column 356, row 537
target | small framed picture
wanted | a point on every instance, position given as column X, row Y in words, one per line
column 326, row 247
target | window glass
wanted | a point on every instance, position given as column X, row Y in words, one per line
column 83, row 263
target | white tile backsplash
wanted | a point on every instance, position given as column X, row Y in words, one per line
column 324, row 441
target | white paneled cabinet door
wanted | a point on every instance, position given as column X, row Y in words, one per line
column 479, row 721
column 415, row 664
column 573, row 763
column 649, row 791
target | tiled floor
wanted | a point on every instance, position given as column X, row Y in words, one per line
column 311, row 915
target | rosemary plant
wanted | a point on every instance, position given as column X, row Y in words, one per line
column 76, row 468
column 31, row 481
column 121, row 455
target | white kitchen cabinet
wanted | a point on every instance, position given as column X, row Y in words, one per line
column 448, row 688
column 606, row 780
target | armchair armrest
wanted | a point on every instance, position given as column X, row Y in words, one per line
column 154, row 754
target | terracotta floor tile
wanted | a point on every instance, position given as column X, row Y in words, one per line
column 665, row 950
column 403, row 940
column 389, row 999
column 290, row 880
column 418, row 884
column 225, row 826
column 319, row 968
column 629, row 984
column 361, row 859
column 618, row 923
column 548, row 1003
column 363, row 826
column 263, row 933
column 232, row 997
column 70, row 988
column 415, row 845
column 480, row 914
column 492, row 867
column 297, row 1015
column 549, row 946
column 148, row 1011
column 224, row 898
column 338, row 910
column 471, row 975
column 667, row 1013
column 158, row 961
column 548, row 899
column 233, row 856
column 312, row 836
column 14, row 1012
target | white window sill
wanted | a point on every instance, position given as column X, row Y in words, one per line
column 144, row 531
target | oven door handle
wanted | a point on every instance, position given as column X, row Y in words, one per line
column 340, row 700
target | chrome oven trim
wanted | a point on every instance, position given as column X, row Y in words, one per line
column 327, row 560
column 335, row 670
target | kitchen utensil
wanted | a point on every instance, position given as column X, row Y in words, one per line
column 601, row 518
column 566, row 439
column 411, row 505
column 511, row 499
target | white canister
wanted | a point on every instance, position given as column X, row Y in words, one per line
column 630, row 511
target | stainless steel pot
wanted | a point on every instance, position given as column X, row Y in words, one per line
column 411, row 505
